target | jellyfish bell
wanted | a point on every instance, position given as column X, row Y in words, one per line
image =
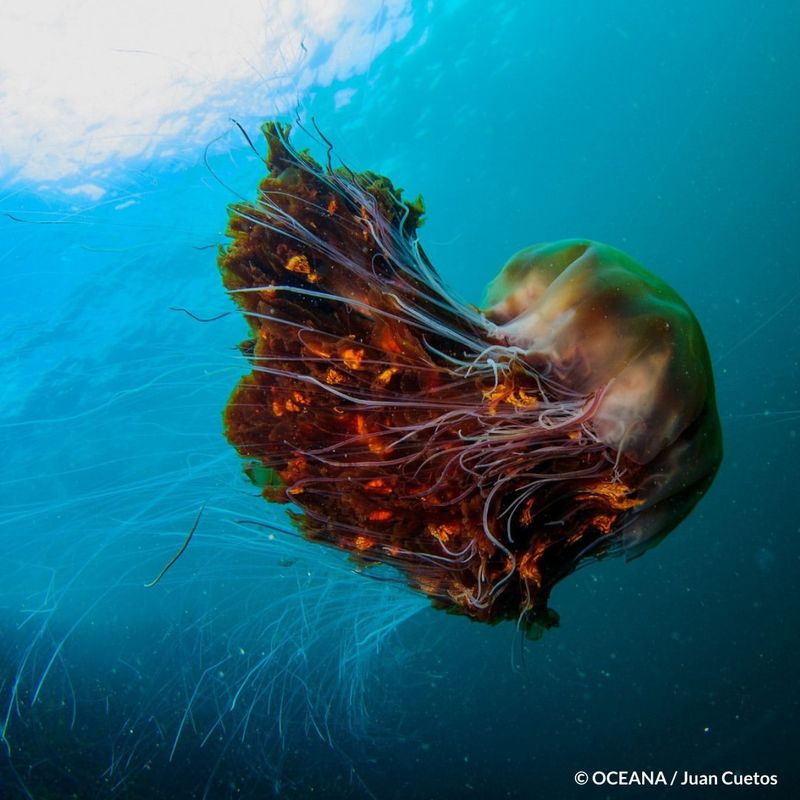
column 483, row 455
column 608, row 326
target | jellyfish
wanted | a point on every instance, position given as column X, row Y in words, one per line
column 480, row 455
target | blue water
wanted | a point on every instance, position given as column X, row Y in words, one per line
column 264, row 666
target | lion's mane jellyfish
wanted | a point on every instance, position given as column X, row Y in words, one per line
column 484, row 454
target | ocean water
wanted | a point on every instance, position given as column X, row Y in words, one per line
column 265, row 666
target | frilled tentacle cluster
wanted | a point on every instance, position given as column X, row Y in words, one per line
column 396, row 422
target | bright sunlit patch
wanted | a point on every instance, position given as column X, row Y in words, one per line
column 343, row 97
column 85, row 85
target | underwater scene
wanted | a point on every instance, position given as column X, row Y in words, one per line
column 400, row 400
